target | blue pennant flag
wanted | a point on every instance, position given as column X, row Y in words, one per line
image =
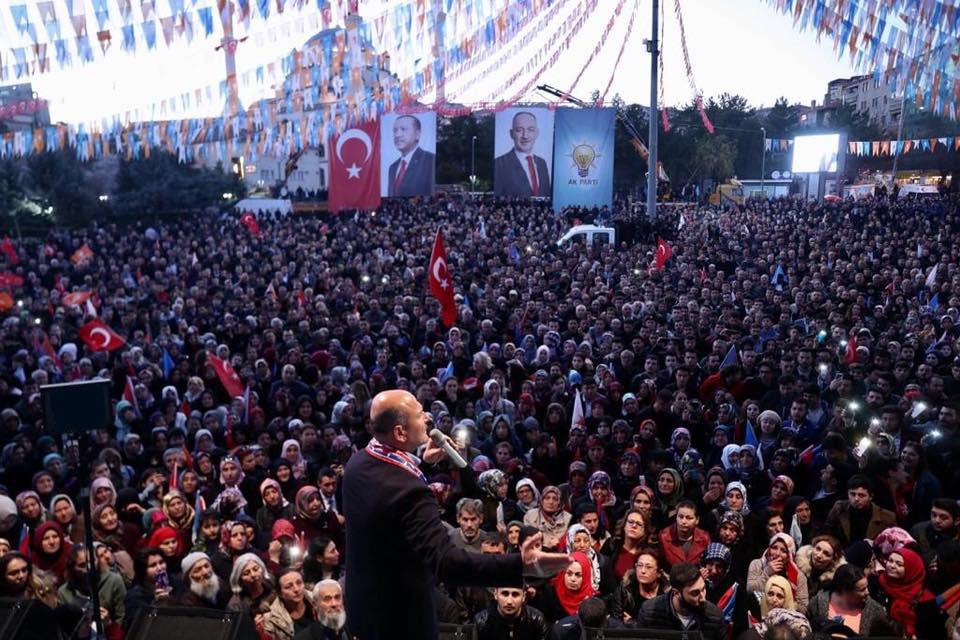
column 446, row 373
column 779, row 279
column 730, row 358
column 514, row 254
column 168, row 365
column 934, row 302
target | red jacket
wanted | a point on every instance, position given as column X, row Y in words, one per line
column 672, row 548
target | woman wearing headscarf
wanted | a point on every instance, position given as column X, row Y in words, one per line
column 729, row 458
column 102, row 491
column 769, row 423
column 679, row 443
column 65, row 514
column 749, row 471
column 910, row 604
column 779, row 560
column 312, row 519
column 275, row 505
column 568, row 589
column 283, row 473
column 781, row 489
column 290, row 451
column 549, row 518
column 601, row 495
column 50, row 553
column 502, row 432
column 179, row 516
column 776, row 594
column 233, row 544
column 498, row 509
column 528, row 496
column 669, row 491
column 31, row 510
column 111, row 531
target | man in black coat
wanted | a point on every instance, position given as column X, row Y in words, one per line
column 508, row 617
column 397, row 547
column 684, row 607
column 518, row 172
column 412, row 173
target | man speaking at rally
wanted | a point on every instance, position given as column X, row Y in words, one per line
column 397, row 547
column 519, row 172
column 412, row 173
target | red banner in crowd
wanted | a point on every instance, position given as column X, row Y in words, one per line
column 98, row 336
column 228, row 376
column 355, row 168
column 440, row 283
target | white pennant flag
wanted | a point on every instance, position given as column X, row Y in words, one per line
column 932, row 276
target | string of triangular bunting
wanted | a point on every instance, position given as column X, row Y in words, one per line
column 900, row 147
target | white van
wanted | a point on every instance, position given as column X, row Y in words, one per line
column 590, row 234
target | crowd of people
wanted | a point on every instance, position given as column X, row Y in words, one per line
column 761, row 438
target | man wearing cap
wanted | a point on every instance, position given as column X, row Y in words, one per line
column 204, row 588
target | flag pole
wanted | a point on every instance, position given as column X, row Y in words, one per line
column 652, row 45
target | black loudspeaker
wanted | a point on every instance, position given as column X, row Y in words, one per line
column 167, row 623
column 72, row 407
column 27, row 620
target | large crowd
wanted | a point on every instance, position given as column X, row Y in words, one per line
column 761, row 438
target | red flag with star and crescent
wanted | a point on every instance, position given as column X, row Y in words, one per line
column 355, row 168
column 664, row 253
column 98, row 336
column 227, row 374
column 440, row 283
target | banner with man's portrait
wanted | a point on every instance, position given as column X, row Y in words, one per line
column 523, row 152
column 408, row 147
column 583, row 173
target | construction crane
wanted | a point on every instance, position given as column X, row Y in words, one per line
column 630, row 128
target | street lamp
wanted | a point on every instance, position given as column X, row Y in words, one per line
column 763, row 161
column 473, row 163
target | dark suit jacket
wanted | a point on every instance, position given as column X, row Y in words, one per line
column 397, row 550
column 417, row 179
column 510, row 178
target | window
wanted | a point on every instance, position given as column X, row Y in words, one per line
column 323, row 180
column 863, row 106
column 884, row 99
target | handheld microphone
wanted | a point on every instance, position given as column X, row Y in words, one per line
column 441, row 441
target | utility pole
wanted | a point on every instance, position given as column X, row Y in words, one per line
column 763, row 161
column 652, row 46
column 229, row 46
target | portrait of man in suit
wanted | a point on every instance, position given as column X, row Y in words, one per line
column 412, row 173
column 520, row 172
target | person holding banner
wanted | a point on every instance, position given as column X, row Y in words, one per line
column 412, row 173
column 520, row 172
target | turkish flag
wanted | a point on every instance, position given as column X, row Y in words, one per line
column 355, row 168
column 664, row 253
column 440, row 282
column 250, row 222
column 98, row 336
column 8, row 279
column 228, row 377
column 850, row 355
column 10, row 251
column 82, row 255
column 76, row 298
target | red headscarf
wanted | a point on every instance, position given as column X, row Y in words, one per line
column 570, row 600
column 55, row 563
column 906, row 592
column 163, row 533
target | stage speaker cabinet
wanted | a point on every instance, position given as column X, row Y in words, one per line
column 172, row 623
column 27, row 620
